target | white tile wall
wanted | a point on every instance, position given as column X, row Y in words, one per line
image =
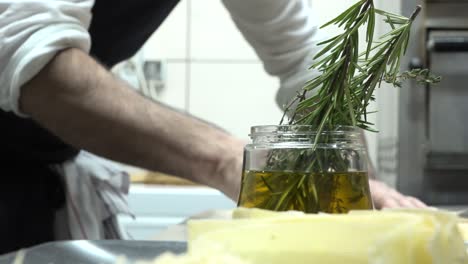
column 234, row 96
column 214, row 35
column 170, row 40
column 174, row 92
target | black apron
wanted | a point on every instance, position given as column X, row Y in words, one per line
column 30, row 192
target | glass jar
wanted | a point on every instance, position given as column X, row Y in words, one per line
column 292, row 168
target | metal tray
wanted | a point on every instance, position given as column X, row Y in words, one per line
column 99, row 252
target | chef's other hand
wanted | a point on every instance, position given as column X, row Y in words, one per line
column 387, row 197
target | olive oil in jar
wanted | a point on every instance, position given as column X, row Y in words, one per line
column 329, row 192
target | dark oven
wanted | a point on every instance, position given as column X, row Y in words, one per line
column 433, row 120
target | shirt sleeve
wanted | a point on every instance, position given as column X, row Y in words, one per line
column 284, row 34
column 31, row 33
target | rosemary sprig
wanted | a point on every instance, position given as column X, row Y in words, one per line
column 348, row 78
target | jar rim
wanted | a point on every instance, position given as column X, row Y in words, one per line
column 340, row 136
column 299, row 129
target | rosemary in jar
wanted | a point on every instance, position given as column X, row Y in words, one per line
column 289, row 168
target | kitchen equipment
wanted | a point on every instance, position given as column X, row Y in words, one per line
column 102, row 252
column 433, row 120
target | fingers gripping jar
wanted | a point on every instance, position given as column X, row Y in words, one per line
column 293, row 168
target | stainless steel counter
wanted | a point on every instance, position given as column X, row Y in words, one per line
column 90, row 252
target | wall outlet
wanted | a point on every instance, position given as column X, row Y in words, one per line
column 155, row 74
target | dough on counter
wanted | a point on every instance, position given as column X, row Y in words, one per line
column 383, row 237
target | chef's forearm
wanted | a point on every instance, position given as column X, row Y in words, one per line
column 82, row 103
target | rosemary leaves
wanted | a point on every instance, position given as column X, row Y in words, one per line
column 348, row 77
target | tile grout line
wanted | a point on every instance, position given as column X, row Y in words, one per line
column 213, row 61
column 188, row 55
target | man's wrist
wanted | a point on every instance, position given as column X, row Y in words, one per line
column 230, row 169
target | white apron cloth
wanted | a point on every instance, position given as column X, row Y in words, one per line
column 96, row 193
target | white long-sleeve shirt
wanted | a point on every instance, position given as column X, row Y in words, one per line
column 282, row 32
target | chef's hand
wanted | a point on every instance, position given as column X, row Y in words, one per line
column 387, row 197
